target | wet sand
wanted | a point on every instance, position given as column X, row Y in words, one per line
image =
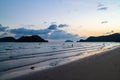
column 104, row 66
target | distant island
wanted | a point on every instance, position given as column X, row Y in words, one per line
column 107, row 38
column 33, row 38
column 68, row 41
column 7, row 39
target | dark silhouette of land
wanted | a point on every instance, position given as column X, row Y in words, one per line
column 108, row 38
column 33, row 38
column 68, row 41
column 7, row 39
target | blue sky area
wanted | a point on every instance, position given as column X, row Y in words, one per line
column 59, row 19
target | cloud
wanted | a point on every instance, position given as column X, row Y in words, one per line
column 104, row 22
column 108, row 33
column 23, row 31
column 4, row 31
column 63, row 25
column 52, row 32
column 60, row 34
column 53, row 27
column 103, row 8
column 2, row 28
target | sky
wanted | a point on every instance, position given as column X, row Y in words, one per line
column 59, row 19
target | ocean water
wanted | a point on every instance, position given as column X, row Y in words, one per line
column 20, row 56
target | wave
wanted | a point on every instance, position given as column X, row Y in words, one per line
column 54, row 55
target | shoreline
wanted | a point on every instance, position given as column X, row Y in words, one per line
column 101, row 66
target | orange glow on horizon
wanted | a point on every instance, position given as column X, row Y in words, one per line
column 93, row 32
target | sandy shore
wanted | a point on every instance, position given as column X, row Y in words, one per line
column 104, row 66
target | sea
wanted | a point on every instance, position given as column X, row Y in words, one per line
column 21, row 58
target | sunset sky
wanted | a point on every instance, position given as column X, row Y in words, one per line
column 59, row 19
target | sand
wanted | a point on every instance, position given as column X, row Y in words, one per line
column 104, row 66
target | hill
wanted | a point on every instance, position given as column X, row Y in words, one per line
column 33, row 38
column 7, row 39
column 68, row 41
column 108, row 38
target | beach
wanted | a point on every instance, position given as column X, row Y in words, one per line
column 103, row 66
column 59, row 40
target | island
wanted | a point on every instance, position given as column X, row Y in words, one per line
column 32, row 38
column 106, row 38
column 7, row 39
column 68, row 41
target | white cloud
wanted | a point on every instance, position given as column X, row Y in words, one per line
column 2, row 28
